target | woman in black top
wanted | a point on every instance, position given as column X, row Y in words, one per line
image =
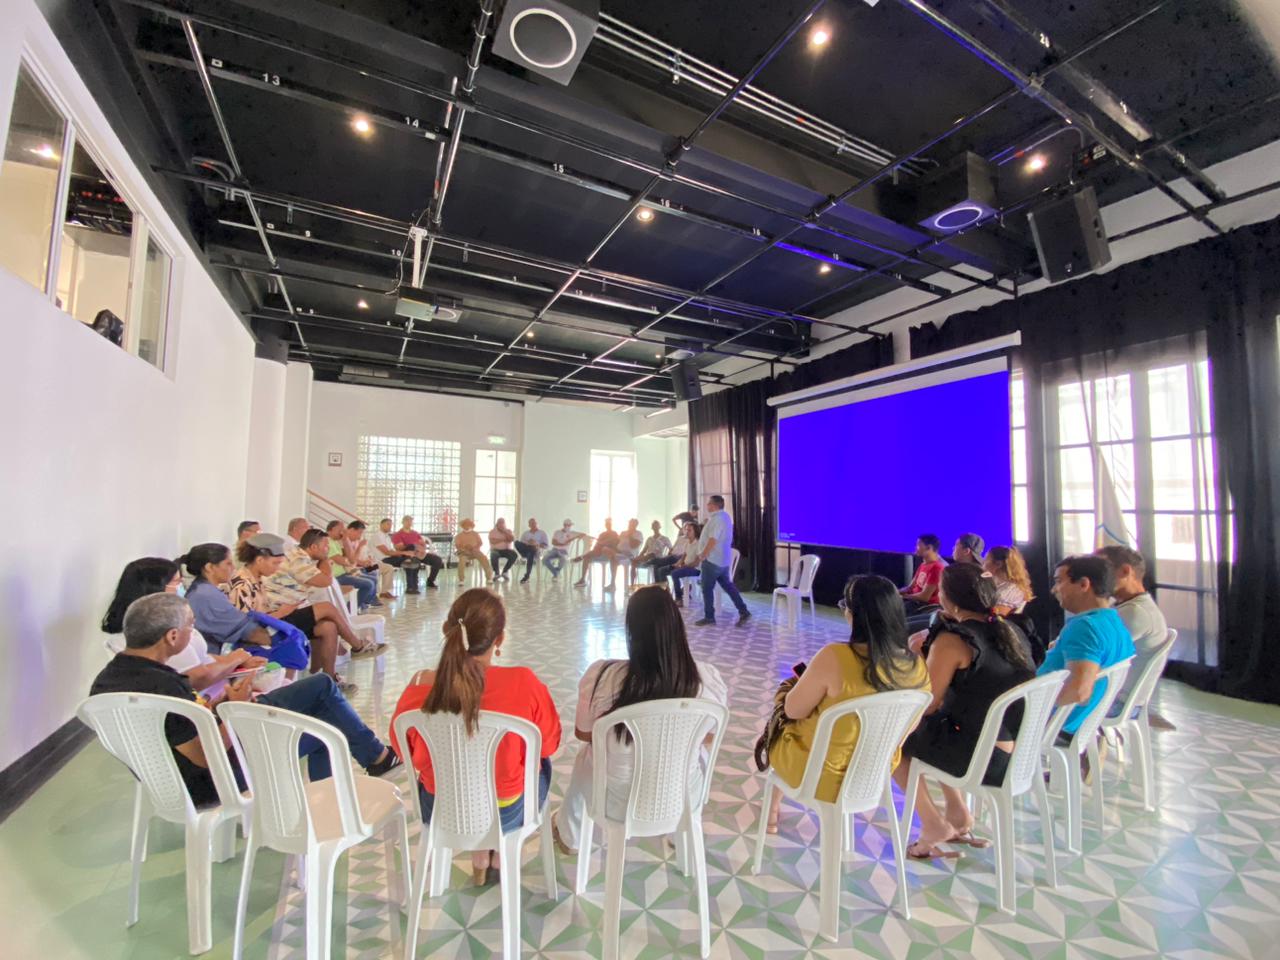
column 973, row 657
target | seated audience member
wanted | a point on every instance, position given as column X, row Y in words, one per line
column 247, row 529
column 558, row 555
column 157, row 629
column 920, row 596
column 344, row 570
column 629, row 543
column 659, row 666
column 423, row 551
column 1137, row 608
column 1093, row 638
column 1013, row 582
column 500, row 548
column 968, row 549
column 688, row 554
column 141, row 578
column 875, row 659
column 357, row 548
column 468, row 546
column 465, row 682
column 390, row 558
column 255, row 588
column 294, row 531
column 604, row 551
column 530, row 545
column 217, row 618
column 973, row 656
column 654, row 551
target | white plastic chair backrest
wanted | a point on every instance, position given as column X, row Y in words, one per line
column 466, row 814
column 333, row 594
column 114, row 642
column 666, row 737
column 1039, row 694
column 808, row 571
column 1144, row 686
column 1114, row 677
column 734, row 557
column 266, row 741
column 884, row 720
column 131, row 728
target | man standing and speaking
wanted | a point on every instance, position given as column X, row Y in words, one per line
column 716, row 545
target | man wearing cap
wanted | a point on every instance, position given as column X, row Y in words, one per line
column 558, row 555
column 531, row 543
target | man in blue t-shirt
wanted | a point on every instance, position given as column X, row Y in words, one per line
column 1094, row 636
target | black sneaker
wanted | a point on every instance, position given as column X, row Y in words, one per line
column 524, row 579
column 744, row 617
column 704, row 622
column 414, row 590
column 384, row 766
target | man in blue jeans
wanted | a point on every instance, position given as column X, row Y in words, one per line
column 715, row 553
column 366, row 587
column 157, row 627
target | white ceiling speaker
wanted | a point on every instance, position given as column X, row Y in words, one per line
column 547, row 37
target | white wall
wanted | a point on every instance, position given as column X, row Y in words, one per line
column 106, row 458
column 296, row 442
column 266, row 442
column 342, row 412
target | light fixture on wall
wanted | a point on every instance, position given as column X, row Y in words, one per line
column 495, row 440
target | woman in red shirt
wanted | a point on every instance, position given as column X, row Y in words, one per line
column 465, row 682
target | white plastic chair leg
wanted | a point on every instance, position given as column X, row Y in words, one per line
column 138, row 849
column 1143, row 759
column 1095, row 788
column 199, row 884
column 584, row 855
column 549, row 858
column 1072, row 790
column 899, row 851
column 848, row 834
column 441, row 866
column 242, row 900
column 319, row 909
column 509, row 884
column 829, row 849
column 766, row 801
column 224, row 841
column 1046, row 827
column 909, row 800
column 1002, row 807
column 681, row 840
column 615, row 852
column 416, row 893
column 698, row 856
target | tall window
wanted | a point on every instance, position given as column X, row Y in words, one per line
column 614, row 489
column 714, row 467
column 1018, row 446
column 70, row 232
column 399, row 476
column 495, row 489
column 1152, row 427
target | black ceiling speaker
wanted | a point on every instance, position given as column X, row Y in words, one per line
column 685, row 379
column 548, row 37
column 1070, row 238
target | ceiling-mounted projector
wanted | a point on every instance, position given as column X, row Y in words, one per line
column 547, row 37
column 418, row 304
column 957, row 195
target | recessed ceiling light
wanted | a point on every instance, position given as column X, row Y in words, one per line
column 657, row 356
column 529, row 334
column 362, row 304
column 361, row 125
column 819, row 36
column 825, row 268
column 644, row 214
column 44, row 151
column 1036, row 163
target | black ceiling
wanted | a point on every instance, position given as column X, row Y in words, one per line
column 559, row 289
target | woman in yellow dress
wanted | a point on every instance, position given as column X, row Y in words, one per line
column 875, row 659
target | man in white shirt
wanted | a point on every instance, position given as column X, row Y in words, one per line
column 685, row 553
column 531, row 543
column 297, row 527
column 558, row 555
column 714, row 555
column 389, row 557
column 629, row 543
column 500, row 548
column 1138, row 610
column 654, row 551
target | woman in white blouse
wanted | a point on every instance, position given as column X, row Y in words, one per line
column 1013, row 583
column 659, row 666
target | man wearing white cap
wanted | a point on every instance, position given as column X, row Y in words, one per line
column 558, row 555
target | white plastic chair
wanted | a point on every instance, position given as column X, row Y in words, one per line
column 367, row 626
column 466, row 815
column 885, row 720
column 667, row 736
column 1063, row 763
column 1024, row 775
column 798, row 589
column 131, row 728
column 1133, row 723
column 318, row 820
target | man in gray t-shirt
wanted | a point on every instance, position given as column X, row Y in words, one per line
column 1137, row 608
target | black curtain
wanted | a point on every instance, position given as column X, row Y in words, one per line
column 1228, row 290
column 751, row 424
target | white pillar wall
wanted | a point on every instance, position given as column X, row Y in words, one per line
column 296, row 442
column 266, row 438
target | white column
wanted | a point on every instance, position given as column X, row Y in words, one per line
column 296, row 442
column 266, row 438
column 901, row 344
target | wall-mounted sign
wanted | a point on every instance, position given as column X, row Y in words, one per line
column 335, row 459
column 496, row 440
column 582, row 496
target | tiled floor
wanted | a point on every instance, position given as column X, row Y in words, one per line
column 1199, row 879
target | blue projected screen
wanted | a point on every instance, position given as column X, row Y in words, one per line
column 875, row 472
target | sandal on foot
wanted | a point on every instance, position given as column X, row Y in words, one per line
column 969, row 840
column 368, row 651
column 932, row 853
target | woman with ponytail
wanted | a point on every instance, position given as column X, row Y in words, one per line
column 467, row 680
column 973, row 656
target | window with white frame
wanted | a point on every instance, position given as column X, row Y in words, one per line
column 71, row 232
column 409, row 476
column 495, row 488
column 614, row 489
column 1018, row 450
column 713, row 467
column 1153, row 429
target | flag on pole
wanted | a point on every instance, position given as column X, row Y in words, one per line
column 1109, row 529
